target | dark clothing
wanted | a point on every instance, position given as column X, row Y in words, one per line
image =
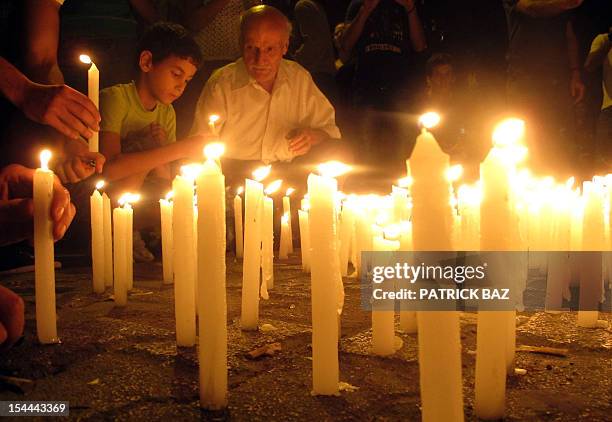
column 384, row 55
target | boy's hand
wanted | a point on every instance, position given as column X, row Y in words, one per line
column 11, row 318
column 194, row 146
column 17, row 207
column 80, row 166
column 158, row 134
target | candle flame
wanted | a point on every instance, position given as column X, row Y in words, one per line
column 453, row 173
column 429, row 119
column 213, row 118
column 569, row 183
column 191, row 171
column 273, row 187
column 100, row 184
column 392, row 232
column 170, row 195
column 333, row 168
column 239, row 190
column 289, row 191
column 405, row 182
column 214, row 150
column 129, row 198
column 262, row 172
column 45, row 156
column 508, row 132
column 285, row 218
column 84, row 58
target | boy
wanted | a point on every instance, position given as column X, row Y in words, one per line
column 137, row 131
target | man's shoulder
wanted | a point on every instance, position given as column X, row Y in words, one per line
column 224, row 74
column 295, row 71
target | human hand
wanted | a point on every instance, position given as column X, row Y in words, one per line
column 61, row 107
column 301, row 140
column 158, row 134
column 79, row 166
column 193, row 147
column 17, row 206
column 11, row 318
column 577, row 88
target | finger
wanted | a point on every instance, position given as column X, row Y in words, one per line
column 75, row 124
column 61, row 127
column 296, row 139
column 71, row 176
column 81, row 167
column 61, row 174
column 88, row 105
column 11, row 315
column 85, row 117
column 16, row 210
column 298, row 144
column 60, row 228
column 98, row 158
column 60, row 201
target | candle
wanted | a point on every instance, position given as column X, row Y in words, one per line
column 212, row 121
column 251, row 263
column 347, row 223
column 284, row 248
column 438, row 331
column 165, row 207
column 212, row 305
column 408, row 319
column 267, row 240
column 129, row 237
column 287, row 210
column 44, row 270
column 238, row 222
column 97, row 238
column 325, row 276
column 108, row 240
column 120, row 250
column 304, row 239
column 383, row 320
column 93, row 92
column 184, row 277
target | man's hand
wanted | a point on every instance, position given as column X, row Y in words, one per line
column 158, row 134
column 11, row 318
column 301, row 140
column 61, row 107
column 17, row 207
column 577, row 88
column 80, row 166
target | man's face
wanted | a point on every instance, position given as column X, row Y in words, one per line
column 442, row 79
column 263, row 47
column 168, row 78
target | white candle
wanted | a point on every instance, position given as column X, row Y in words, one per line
column 251, row 263
column 287, row 210
column 284, row 247
column 267, row 247
column 438, row 331
column 120, row 250
column 184, row 277
column 238, row 223
column 212, row 306
column 347, row 223
column 44, row 270
column 304, row 239
column 97, row 238
column 129, row 241
column 108, row 241
column 93, row 92
column 165, row 207
column 383, row 321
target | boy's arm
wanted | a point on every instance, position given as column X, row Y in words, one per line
column 119, row 165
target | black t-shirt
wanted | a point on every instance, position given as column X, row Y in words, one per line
column 383, row 52
column 537, row 45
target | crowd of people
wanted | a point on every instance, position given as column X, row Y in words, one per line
column 294, row 83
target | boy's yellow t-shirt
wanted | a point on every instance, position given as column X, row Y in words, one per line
column 123, row 113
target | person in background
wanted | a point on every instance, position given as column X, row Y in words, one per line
column 600, row 57
column 544, row 78
column 138, row 128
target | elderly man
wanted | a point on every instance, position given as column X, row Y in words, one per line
column 270, row 109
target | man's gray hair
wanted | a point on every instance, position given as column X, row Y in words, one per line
column 263, row 11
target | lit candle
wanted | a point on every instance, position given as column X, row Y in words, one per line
column 325, row 275
column 438, row 331
column 287, row 210
column 383, row 320
column 267, row 240
column 120, row 250
column 212, row 302
column 304, row 239
column 238, row 222
column 93, row 92
column 347, row 223
column 283, row 252
column 44, row 270
column 97, row 238
column 108, row 240
column 251, row 263
column 212, row 122
column 165, row 207
column 129, row 236
column 184, row 258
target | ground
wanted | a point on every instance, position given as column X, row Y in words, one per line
column 123, row 364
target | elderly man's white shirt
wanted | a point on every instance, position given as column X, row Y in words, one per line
column 253, row 123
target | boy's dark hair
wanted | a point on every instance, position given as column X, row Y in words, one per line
column 438, row 59
column 165, row 39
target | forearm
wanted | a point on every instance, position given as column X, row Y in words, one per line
column 542, row 8
column 13, row 83
column 199, row 17
column 123, row 165
column 352, row 32
column 572, row 48
column 417, row 34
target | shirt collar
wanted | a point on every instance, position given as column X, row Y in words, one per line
column 242, row 77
